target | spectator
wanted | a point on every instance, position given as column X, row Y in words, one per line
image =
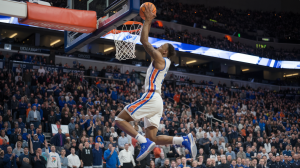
column 111, row 157
column 223, row 163
column 41, row 70
column 126, row 158
column 97, row 153
column 20, row 160
column 34, row 117
column 261, row 163
column 53, row 159
column 241, row 154
column 73, row 159
column 64, row 160
column 38, row 161
column 87, row 156
column 160, row 161
column 71, row 125
column 59, row 139
column 183, row 163
column 10, row 159
column 122, row 141
column 18, row 150
column 231, row 153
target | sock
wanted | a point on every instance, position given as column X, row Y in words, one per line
column 177, row 140
column 140, row 138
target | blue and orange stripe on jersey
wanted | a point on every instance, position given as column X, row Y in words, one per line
column 138, row 104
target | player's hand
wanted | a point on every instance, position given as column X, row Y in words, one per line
column 148, row 12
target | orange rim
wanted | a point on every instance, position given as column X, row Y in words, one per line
column 114, row 31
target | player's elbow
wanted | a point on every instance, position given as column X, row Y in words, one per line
column 144, row 41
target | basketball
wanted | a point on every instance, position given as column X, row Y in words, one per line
column 67, row 134
column 143, row 8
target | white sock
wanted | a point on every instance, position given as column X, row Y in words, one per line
column 140, row 138
column 177, row 140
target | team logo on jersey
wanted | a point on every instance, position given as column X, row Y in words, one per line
column 131, row 110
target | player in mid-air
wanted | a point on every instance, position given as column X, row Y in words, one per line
column 150, row 105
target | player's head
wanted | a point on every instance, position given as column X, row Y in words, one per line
column 167, row 50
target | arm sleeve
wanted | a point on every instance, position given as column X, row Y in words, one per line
column 47, row 152
column 58, row 162
column 118, row 161
column 132, row 160
column 70, row 163
column 79, row 163
column 107, row 155
column 120, row 156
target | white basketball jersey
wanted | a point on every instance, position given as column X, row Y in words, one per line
column 155, row 77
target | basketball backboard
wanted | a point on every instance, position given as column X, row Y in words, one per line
column 116, row 13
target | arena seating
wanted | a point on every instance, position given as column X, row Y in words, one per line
column 247, row 126
column 225, row 44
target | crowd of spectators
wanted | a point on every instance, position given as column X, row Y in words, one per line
column 251, row 128
column 226, row 44
column 281, row 25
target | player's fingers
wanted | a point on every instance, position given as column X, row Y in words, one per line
column 149, row 7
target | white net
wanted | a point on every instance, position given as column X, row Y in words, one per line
column 126, row 39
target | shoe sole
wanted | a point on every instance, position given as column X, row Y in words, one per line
column 150, row 148
column 193, row 145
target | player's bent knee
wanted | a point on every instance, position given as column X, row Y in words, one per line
column 152, row 138
column 119, row 119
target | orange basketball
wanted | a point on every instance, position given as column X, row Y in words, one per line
column 67, row 135
column 142, row 9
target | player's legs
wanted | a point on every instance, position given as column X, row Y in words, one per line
column 122, row 121
column 186, row 141
column 124, row 124
column 159, row 140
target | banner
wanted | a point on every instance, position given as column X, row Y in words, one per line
column 64, row 129
column 49, row 68
column 30, row 49
column 216, row 53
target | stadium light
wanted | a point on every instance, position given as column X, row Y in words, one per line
column 109, row 49
column 245, row 70
column 13, row 35
column 54, row 42
column 191, row 62
column 291, row 75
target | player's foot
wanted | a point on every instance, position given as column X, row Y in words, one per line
column 189, row 143
column 146, row 148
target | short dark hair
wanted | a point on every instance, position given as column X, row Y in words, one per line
column 171, row 50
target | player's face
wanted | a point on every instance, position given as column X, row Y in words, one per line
column 163, row 49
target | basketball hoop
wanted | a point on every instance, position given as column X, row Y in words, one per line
column 126, row 38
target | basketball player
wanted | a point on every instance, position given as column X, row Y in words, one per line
column 150, row 105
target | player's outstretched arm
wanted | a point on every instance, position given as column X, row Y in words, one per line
column 156, row 55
